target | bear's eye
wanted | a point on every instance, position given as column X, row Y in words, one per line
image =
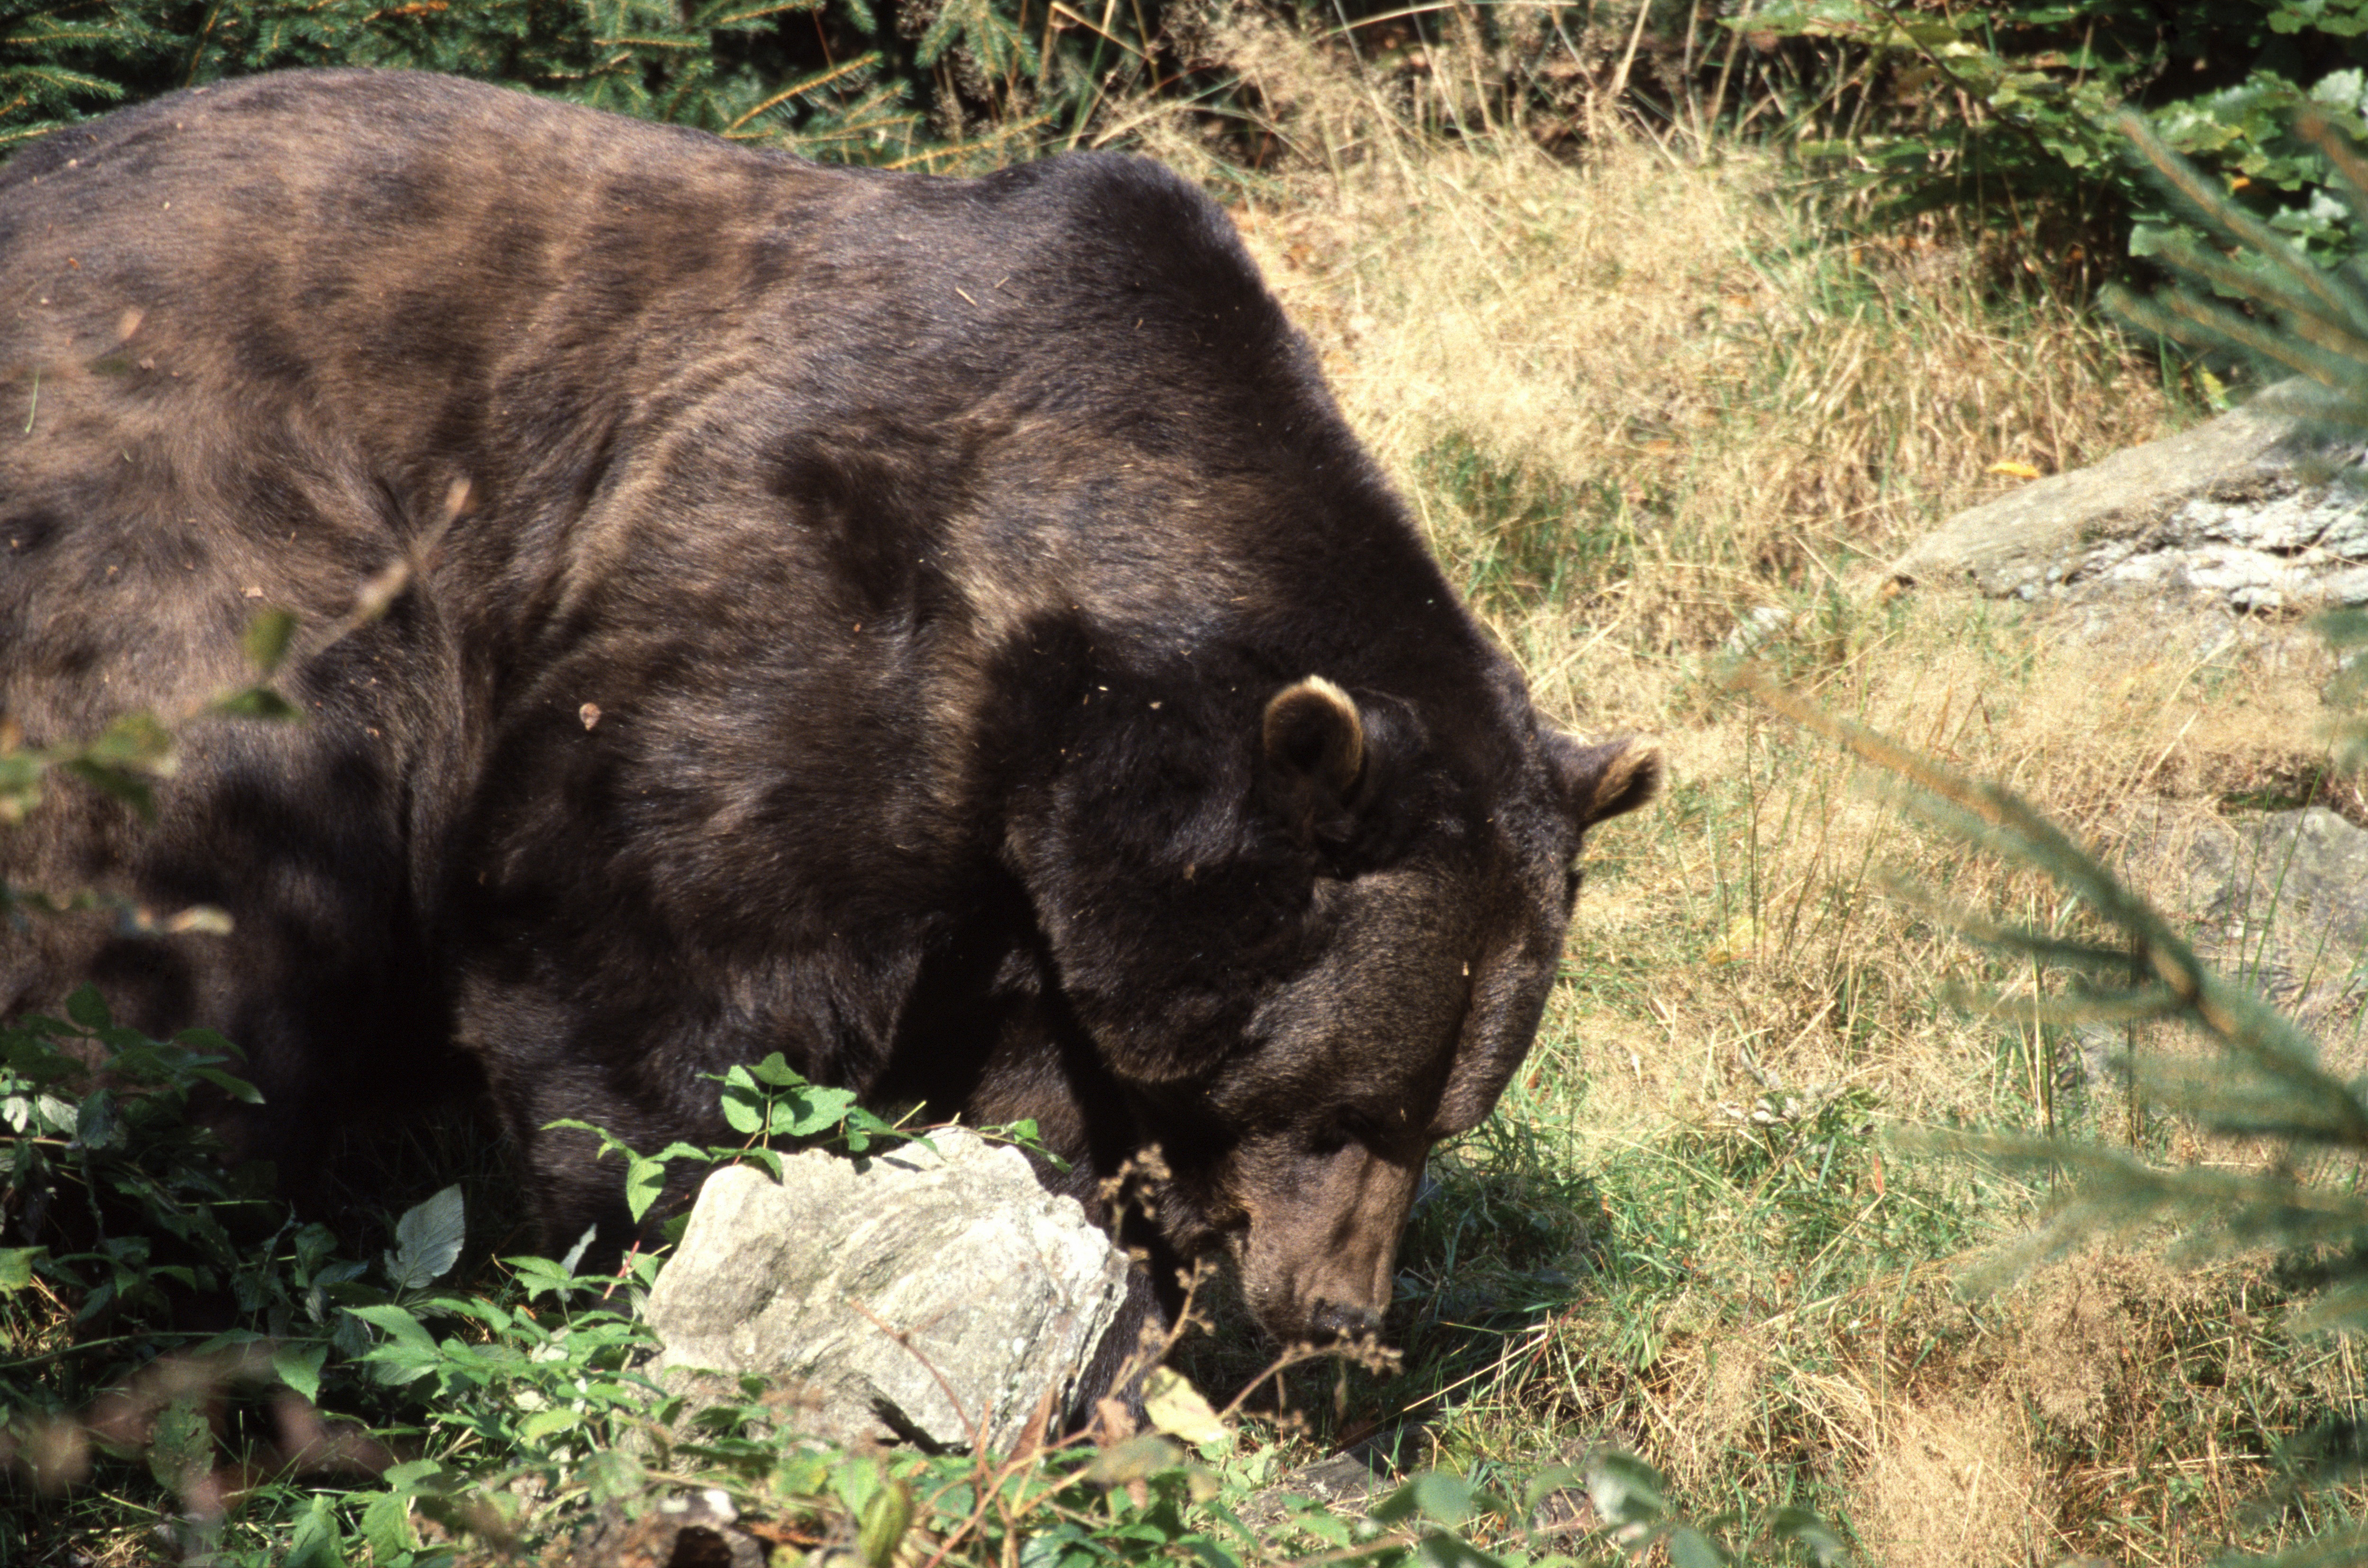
column 1337, row 1131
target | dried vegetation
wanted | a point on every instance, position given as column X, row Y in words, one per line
column 1656, row 407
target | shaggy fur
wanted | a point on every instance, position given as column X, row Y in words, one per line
column 860, row 616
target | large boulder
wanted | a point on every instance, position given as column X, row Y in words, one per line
column 908, row 1296
column 2252, row 510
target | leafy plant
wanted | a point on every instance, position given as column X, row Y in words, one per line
column 2012, row 111
column 119, row 1194
column 872, row 81
column 765, row 1100
column 2293, row 316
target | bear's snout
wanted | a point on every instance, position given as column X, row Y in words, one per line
column 1318, row 1258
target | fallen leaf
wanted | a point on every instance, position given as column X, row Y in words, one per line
column 1175, row 1407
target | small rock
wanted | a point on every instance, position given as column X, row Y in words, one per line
column 908, row 1295
column 1756, row 626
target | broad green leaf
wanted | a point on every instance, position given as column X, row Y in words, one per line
column 611, row 1473
column 17, row 1266
column 181, row 1447
column 266, row 638
column 1443, row 1495
column 742, row 1108
column 804, row 1112
column 298, row 1366
column 134, row 740
column 544, row 1424
column 1624, row 1490
column 885, row 1519
column 96, row 1123
column 645, row 1180
column 316, row 1542
column 230, row 1084
column 86, row 1007
column 1801, row 1526
column 857, row 1481
column 397, row 1324
column 775, row 1072
column 427, row 1241
column 386, row 1525
column 408, row 1474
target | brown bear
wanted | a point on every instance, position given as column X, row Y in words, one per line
column 939, row 630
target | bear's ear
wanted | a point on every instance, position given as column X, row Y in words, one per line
column 1312, row 749
column 1604, row 779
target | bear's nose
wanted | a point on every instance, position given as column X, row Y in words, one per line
column 1332, row 1322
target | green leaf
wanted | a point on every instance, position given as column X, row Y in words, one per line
column 886, row 1517
column 181, row 1446
column 1625, row 1490
column 427, row 1241
column 775, row 1071
column 266, row 639
column 17, row 1266
column 611, row 1474
column 1320, row 1522
column 1806, row 1528
column 1434, row 1495
column 96, row 1123
column 316, row 1542
column 803, row 1113
column 386, row 1525
column 406, row 1476
column 230, row 1084
column 134, row 740
column 742, row 1109
column 645, row 1180
column 544, row 1423
column 1689, row 1548
column 540, row 1275
column 255, row 703
column 88, row 1009
column 298, row 1366
column 397, row 1324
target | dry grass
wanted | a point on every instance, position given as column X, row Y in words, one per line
column 1660, row 356
column 1636, row 398
column 1954, row 1485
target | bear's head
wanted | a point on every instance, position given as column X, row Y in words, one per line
column 1310, row 948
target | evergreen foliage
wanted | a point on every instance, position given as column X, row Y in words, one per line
column 872, row 81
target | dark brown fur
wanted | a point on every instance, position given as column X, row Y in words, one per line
column 853, row 615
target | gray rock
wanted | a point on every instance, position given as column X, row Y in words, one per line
column 2250, row 511
column 908, row 1295
column 698, row 1529
column 2277, row 900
